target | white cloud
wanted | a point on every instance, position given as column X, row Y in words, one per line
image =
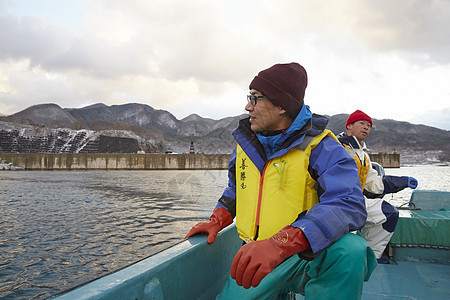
column 388, row 58
column 435, row 118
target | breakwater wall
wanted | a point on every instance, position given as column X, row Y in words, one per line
column 148, row 161
column 387, row 160
column 116, row 161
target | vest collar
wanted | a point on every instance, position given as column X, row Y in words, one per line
column 272, row 143
column 351, row 141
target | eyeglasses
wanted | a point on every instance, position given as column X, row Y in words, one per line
column 253, row 99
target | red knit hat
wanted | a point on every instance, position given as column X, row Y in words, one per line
column 284, row 84
column 358, row 115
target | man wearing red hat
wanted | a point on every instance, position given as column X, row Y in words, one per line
column 295, row 194
column 382, row 217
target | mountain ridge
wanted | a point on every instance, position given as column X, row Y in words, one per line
column 165, row 132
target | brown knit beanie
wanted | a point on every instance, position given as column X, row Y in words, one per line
column 284, row 84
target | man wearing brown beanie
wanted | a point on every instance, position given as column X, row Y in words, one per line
column 296, row 195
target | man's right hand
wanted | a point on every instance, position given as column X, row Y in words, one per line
column 220, row 219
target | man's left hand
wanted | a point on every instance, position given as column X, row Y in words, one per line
column 412, row 182
column 257, row 259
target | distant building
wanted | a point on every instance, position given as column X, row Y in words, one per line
column 191, row 149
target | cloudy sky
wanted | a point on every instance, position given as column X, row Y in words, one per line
column 388, row 58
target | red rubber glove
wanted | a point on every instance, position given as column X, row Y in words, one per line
column 257, row 259
column 220, row 219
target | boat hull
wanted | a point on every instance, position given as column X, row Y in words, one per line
column 193, row 269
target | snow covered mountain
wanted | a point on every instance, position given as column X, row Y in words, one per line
column 159, row 131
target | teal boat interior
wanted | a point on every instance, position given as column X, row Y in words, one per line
column 418, row 254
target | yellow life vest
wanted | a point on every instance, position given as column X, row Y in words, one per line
column 267, row 202
column 363, row 166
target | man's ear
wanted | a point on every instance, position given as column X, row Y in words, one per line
column 282, row 111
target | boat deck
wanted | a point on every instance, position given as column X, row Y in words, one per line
column 409, row 280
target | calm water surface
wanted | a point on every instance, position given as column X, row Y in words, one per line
column 60, row 229
column 429, row 178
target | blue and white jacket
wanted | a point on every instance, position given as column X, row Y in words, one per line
column 341, row 206
column 376, row 186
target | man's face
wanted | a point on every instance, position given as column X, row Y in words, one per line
column 264, row 115
column 359, row 129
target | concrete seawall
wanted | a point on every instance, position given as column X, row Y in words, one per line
column 116, row 161
column 387, row 160
column 149, row 161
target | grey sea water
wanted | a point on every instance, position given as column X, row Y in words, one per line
column 429, row 178
column 62, row 228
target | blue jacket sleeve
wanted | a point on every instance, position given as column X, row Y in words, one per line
column 228, row 199
column 394, row 184
column 341, row 206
